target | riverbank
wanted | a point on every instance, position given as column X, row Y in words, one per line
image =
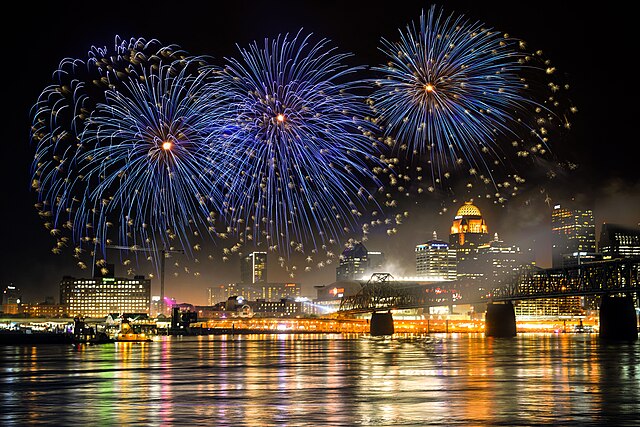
column 30, row 338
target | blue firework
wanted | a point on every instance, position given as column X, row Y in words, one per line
column 297, row 154
column 453, row 92
column 148, row 154
column 121, row 148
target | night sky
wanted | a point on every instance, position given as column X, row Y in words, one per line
column 592, row 47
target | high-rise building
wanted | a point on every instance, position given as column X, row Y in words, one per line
column 573, row 232
column 468, row 231
column 376, row 262
column 354, row 263
column 11, row 299
column 497, row 261
column 435, row 260
column 11, row 295
column 100, row 296
column 357, row 263
column 618, row 241
column 253, row 268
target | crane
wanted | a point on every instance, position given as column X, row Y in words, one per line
column 163, row 253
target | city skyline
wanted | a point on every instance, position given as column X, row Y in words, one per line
column 604, row 178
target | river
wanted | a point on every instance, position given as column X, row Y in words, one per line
column 325, row 380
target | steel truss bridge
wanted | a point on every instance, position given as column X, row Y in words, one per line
column 382, row 292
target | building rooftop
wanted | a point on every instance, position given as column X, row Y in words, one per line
column 468, row 209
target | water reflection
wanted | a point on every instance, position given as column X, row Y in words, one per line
column 259, row 380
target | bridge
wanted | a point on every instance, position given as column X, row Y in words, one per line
column 615, row 281
column 382, row 292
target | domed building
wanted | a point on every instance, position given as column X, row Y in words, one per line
column 468, row 231
column 468, row 228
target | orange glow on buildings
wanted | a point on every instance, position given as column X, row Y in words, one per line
column 468, row 228
column 468, row 219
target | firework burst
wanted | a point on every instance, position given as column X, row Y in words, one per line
column 297, row 154
column 458, row 96
column 121, row 149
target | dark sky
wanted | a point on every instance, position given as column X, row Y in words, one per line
column 591, row 46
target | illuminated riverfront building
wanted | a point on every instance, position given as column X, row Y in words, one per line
column 330, row 296
column 273, row 291
column 435, row 260
column 618, row 241
column 285, row 307
column 573, row 235
column 100, row 296
column 536, row 279
column 468, row 231
column 221, row 292
column 47, row 308
column 276, row 291
column 253, row 268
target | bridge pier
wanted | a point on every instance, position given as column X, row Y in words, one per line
column 618, row 319
column 500, row 320
column 381, row 324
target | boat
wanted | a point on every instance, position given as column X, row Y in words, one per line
column 582, row 329
column 132, row 333
column 84, row 334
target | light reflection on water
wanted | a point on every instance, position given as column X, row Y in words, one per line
column 332, row 380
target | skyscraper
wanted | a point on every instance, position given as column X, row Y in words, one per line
column 253, row 268
column 618, row 241
column 11, row 300
column 573, row 235
column 354, row 262
column 468, row 231
column 498, row 261
column 376, row 262
column 435, row 260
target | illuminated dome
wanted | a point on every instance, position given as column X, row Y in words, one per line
column 468, row 210
column 468, row 226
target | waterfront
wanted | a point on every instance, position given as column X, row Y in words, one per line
column 318, row 379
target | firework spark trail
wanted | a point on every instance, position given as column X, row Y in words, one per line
column 454, row 91
column 150, row 154
column 145, row 145
column 298, row 153
column 122, row 148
